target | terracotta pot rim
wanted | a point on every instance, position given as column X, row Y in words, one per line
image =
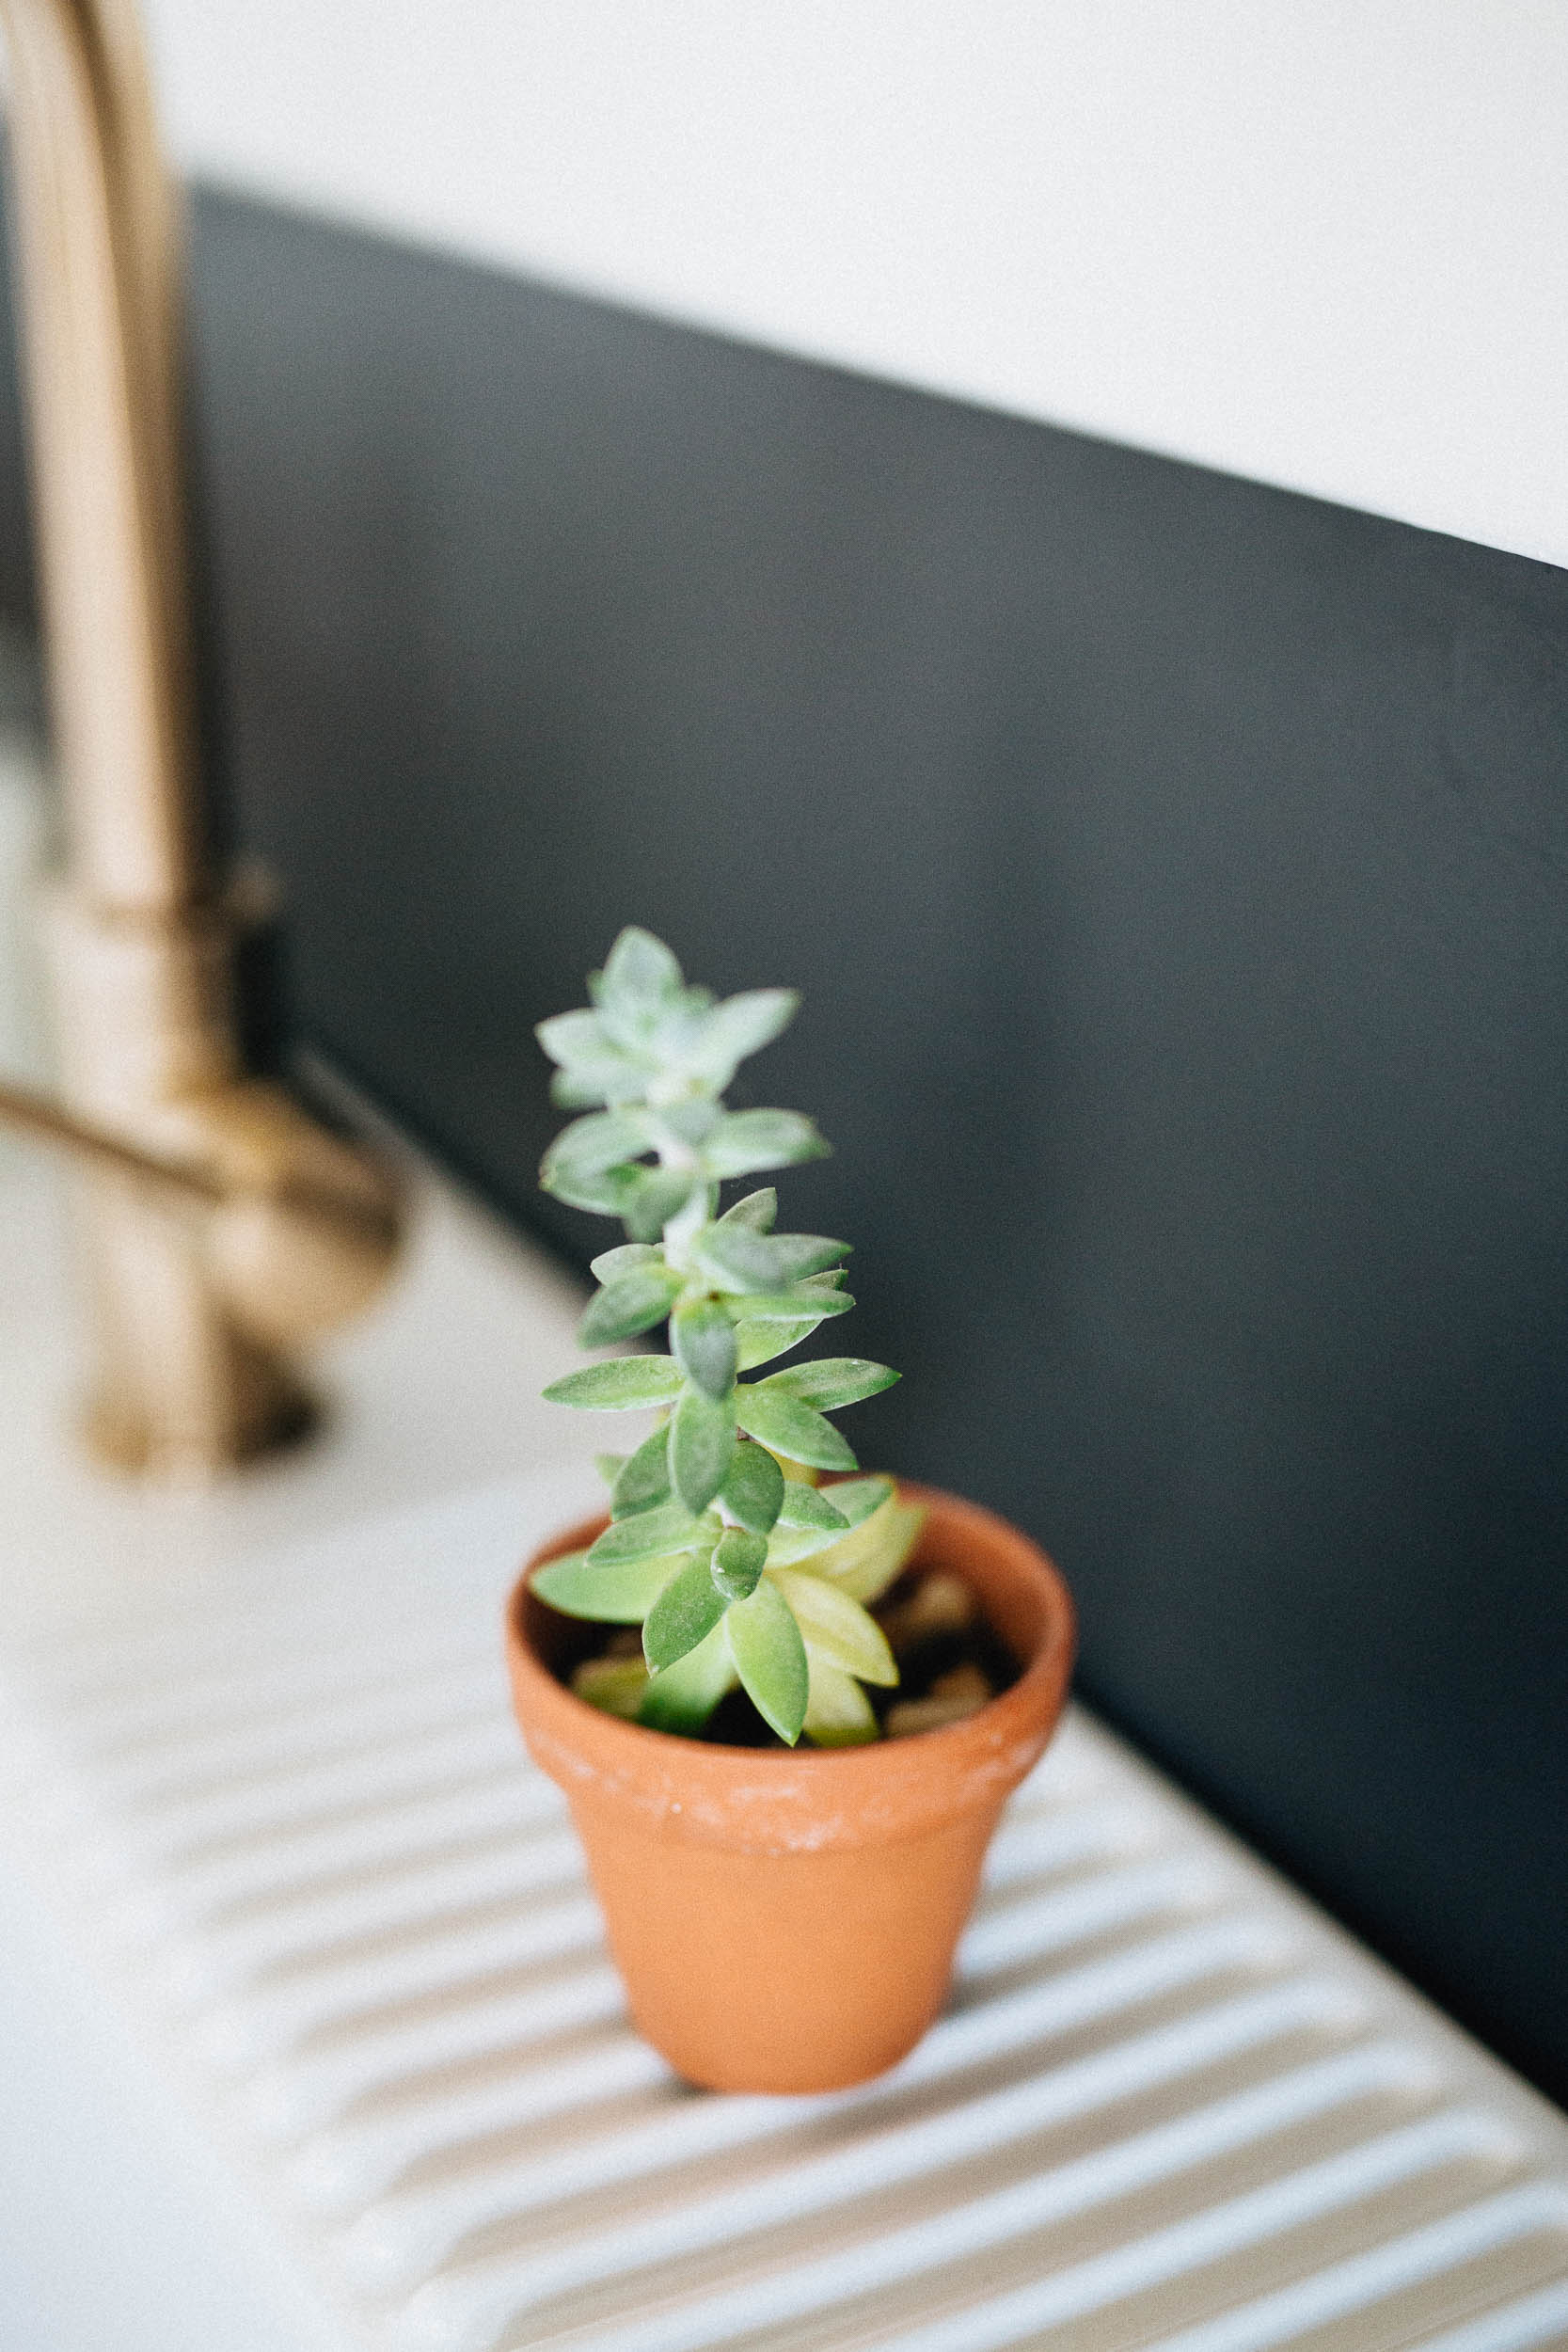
column 810, row 1796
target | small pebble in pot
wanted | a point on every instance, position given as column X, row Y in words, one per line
column 939, row 1604
column 951, row 1698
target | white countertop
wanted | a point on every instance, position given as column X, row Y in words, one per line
column 117, row 2230
column 309, row 2041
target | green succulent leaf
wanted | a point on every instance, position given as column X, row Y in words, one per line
column 864, row 1562
column 704, row 1339
column 832, row 1623
column 670, row 1528
column 613, row 1685
column 813, row 1520
column 644, row 1481
column 629, row 1383
column 590, row 1147
column 605, row 1195
column 632, row 1257
column 753, row 1488
column 701, row 1440
column 758, row 1211
column 739, row 1559
column 578, row 1094
column 855, row 1499
column 610, row 1467
column 863, row 1558
column 791, row 1428
column 738, row 1259
column 771, row 1659
column 800, row 1255
column 593, row 1069
column 737, row 1027
column 838, row 1713
column 741, row 1260
column 617, row 1593
column 746, row 1142
column 691, row 1122
column 640, row 981
column 830, row 1382
column 576, row 1037
column 632, row 1304
column 683, row 1614
column 788, row 1546
column 680, row 1698
column 809, row 1506
column 648, row 1198
column 760, row 1343
column 792, row 1306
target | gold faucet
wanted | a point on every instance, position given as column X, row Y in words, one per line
column 195, row 1314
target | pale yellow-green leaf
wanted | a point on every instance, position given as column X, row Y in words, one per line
column 838, row 1713
column 801, row 1472
column 787, row 1545
column 614, row 1685
column 864, row 1562
column 837, row 1626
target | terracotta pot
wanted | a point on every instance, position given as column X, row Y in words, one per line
column 786, row 1920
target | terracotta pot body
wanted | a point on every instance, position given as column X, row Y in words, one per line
column 786, row 1921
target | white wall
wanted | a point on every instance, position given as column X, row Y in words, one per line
column 1324, row 243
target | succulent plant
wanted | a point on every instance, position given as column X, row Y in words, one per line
column 737, row 1565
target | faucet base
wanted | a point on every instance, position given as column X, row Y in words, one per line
column 195, row 1306
column 273, row 1416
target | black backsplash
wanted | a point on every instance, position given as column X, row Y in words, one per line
column 1177, row 872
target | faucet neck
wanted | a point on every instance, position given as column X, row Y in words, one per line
column 95, row 223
